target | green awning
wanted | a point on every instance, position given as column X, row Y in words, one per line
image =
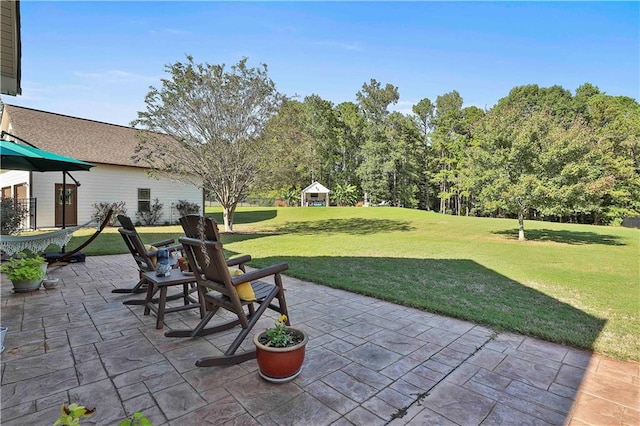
column 14, row 156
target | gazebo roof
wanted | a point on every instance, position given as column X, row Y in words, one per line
column 316, row 187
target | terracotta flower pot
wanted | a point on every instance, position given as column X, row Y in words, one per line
column 279, row 365
column 182, row 264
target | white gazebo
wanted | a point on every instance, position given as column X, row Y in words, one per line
column 314, row 195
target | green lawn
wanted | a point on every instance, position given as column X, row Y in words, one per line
column 571, row 284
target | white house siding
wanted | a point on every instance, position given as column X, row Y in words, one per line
column 105, row 183
column 13, row 177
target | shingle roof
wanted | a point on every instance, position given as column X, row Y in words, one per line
column 80, row 138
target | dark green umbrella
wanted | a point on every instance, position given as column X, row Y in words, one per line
column 15, row 156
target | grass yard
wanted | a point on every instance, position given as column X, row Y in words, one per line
column 572, row 284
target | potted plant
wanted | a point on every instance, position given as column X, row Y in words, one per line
column 71, row 414
column 183, row 264
column 26, row 272
column 280, row 351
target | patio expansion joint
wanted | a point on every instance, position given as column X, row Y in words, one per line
column 401, row 412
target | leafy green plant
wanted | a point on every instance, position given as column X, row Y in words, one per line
column 136, row 419
column 278, row 336
column 185, row 207
column 24, row 267
column 71, row 414
column 345, row 194
column 153, row 215
column 291, row 196
column 11, row 216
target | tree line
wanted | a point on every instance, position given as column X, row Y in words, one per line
column 539, row 153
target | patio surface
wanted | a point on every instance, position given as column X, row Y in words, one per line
column 368, row 363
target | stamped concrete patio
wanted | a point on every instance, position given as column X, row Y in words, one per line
column 368, row 363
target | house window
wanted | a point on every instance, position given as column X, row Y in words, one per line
column 69, row 197
column 144, row 199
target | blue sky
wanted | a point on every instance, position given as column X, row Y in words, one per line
column 97, row 59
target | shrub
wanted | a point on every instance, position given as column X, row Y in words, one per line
column 291, row 196
column 345, row 194
column 153, row 216
column 185, row 207
column 11, row 216
column 103, row 207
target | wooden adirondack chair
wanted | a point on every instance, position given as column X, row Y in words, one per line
column 205, row 228
column 220, row 291
column 142, row 256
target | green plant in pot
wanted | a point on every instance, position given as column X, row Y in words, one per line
column 280, row 351
column 26, row 271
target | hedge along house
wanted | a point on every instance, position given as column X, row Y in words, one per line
column 115, row 177
column 315, row 195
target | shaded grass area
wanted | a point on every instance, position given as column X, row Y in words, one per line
column 565, row 236
column 571, row 284
column 456, row 287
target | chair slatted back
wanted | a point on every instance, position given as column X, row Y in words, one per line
column 135, row 244
column 196, row 226
column 208, row 256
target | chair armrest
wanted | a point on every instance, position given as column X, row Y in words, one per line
column 260, row 273
column 163, row 243
column 239, row 260
column 170, row 249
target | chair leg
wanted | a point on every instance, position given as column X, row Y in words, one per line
column 200, row 329
column 230, row 357
column 282, row 303
column 140, row 287
column 219, row 361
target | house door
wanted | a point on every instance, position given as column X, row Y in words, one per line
column 71, row 205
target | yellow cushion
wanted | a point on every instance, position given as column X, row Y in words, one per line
column 154, row 258
column 245, row 291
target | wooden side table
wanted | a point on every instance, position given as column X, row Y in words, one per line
column 155, row 284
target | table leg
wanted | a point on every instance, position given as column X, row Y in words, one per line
column 161, row 304
column 185, row 292
column 147, row 299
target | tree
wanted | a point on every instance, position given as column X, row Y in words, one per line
column 405, row 152
column 447, row 145
column 616, row 150
column 213, row 119
column 321, row 124
column 374, row 169
column 533, row 163
column 507, row 154
column 288, row 151
column 351, row 137
column 424, row 112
